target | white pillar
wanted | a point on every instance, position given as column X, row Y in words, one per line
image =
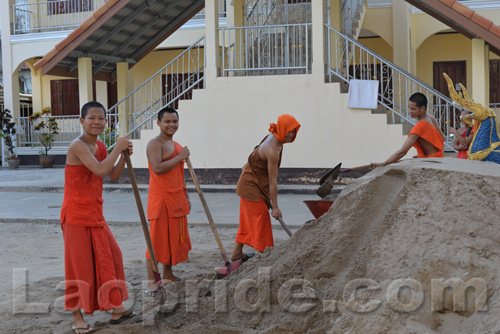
column 401, row 34
column 10, row 74
column 480, row 72
column 123, row 88
column 212, row 48
column 318, row 39
column 85, row 93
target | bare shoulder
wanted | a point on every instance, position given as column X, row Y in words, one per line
column 154, row 143
column 76, row 150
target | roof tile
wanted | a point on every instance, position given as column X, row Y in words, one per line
column 482, row 21
column 464, row 10
column 449, row 3
column 495, row 29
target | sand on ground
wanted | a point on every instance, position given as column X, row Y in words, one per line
column 408, row 248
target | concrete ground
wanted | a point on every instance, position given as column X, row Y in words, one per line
column 36, row 195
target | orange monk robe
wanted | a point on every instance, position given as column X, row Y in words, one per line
column 428, row 132
column 167, row 210
column 95, row 279
column 253, row 187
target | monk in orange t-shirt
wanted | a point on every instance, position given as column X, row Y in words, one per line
column 425, row 136
column 93, row 263
column 168, row 200
column 258, row 188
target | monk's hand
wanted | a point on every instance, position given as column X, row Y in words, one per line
column 276, row 213
column 130, row 148
column 122, row 144
column 374, row 165
column 184, row 153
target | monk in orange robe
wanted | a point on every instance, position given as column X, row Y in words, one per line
column 258, row 188
column 425, row 136
column 95, row 279
column 168, row 200
column 463, row 138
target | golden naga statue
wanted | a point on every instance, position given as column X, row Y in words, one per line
column 486, row 140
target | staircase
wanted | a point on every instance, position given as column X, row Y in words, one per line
column 348, row 59
column 172, row 83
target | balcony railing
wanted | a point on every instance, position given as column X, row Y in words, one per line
column 69, row 130
column 47, row 16
column 348, row 59
column 222, row 11
column 267, row 50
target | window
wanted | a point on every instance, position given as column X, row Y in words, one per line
column 68, row 6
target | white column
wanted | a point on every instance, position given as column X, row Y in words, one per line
column 401, row 34
column 123, row 88
column 85, row 93
column 480, row 72
column 10, row 74
column 212, row 48
column 318, row 39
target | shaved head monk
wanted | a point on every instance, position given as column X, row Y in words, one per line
column 258, row 188
column 93, row 263
column 425, row 136
column 168, row 200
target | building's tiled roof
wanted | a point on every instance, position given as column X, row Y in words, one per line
column 118, row 31
column 463, row 19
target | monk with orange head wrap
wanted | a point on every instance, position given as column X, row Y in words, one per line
column 258, row 188
column 168, row 200
column 425, row 136
column 95, row 279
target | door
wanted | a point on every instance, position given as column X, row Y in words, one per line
column 64, row 97
column 456, row 70
column 495, row 81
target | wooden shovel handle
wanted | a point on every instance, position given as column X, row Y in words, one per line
column 145, row 228
column 207, row 211
column 285, row 227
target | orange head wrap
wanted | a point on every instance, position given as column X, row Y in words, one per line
column 286, row 123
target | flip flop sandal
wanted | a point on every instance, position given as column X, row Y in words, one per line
column 124, row 317
column 76, row 329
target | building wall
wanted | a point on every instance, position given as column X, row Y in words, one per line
column 223, row 123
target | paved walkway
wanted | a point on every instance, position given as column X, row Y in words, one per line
column 36, row 194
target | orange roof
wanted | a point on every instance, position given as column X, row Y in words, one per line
column 118, row 31
column 463, row 19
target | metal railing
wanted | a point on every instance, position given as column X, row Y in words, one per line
column 350, row 13
column 267, row 50
column 174, row 82
column 222, row 11
column 69, row 129
column 495, row 107
column 277, row 12
column 29, row 18
column 348, row 59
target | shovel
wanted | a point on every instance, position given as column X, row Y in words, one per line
column 329, row 178
column 230, row 266
column 145, row 229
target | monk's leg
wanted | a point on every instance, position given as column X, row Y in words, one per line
column 168, row 275
column 237, row 252
column 78, row 322
column 152, row 285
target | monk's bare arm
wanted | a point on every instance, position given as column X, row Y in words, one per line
column 399, row 154
column 435, row 123
column 272, row 170
column 154, row 153
column 79, row 151
column 117, row 170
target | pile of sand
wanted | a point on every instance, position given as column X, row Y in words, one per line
column 378, row 262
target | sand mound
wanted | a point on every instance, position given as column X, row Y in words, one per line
column 378, row 262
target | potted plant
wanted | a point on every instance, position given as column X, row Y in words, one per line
column 46, row 128
column 7, row 132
